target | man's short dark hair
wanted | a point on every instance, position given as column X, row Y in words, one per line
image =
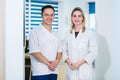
column 47, row 6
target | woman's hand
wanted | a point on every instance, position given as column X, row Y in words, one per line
column 77, row 64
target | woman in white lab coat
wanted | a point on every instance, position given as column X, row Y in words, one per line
column 80, row 49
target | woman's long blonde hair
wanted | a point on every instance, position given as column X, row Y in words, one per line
column 83, row 22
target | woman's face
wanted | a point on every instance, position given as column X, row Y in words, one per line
column 77, row 18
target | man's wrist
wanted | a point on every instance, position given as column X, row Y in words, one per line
column 57, row 60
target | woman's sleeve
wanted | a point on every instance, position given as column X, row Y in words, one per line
column 92, row 48
column 65, row 48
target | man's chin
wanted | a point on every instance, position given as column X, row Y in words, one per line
column 49, row 23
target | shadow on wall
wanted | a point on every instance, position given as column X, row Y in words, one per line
column 103, row 60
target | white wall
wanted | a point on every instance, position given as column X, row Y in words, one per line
column 104, row 29
column 14, row 54
column 108, row 17
column 115, row 5
column 2, row 39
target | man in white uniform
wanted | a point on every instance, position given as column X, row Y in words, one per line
column 45, row 48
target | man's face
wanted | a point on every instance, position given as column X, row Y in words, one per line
column 48, row 16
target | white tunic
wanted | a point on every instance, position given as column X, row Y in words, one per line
column 48, row 44
column 82, row 47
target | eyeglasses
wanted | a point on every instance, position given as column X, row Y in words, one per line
column 47, row 15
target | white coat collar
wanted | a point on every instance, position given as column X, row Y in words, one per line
column 73, row 34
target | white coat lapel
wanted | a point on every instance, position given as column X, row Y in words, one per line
column 78, row 36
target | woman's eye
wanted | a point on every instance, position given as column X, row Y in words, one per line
column 74, row 15
column 80, row 16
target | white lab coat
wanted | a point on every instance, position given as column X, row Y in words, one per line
column 82, row 47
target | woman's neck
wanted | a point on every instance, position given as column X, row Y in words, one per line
column 77, row 28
